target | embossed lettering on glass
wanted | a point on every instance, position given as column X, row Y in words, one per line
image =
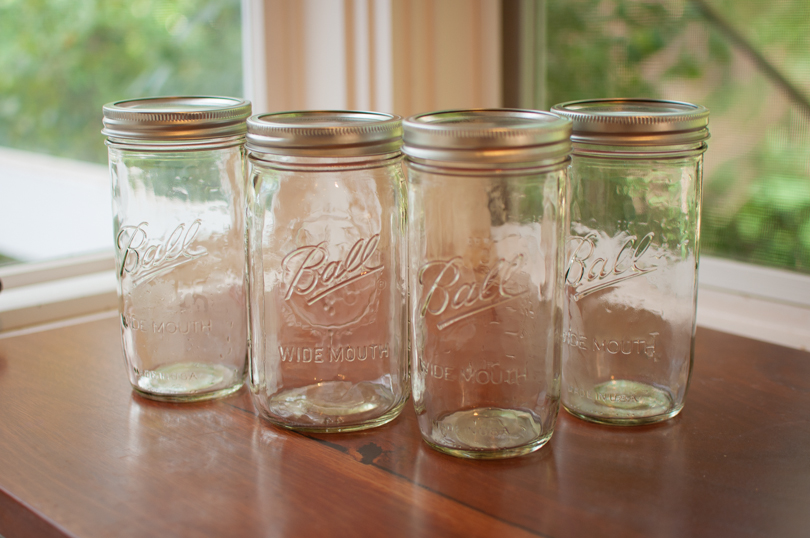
column 632, row 256
column 486, row 215
column 178, row 172
column 327, row 269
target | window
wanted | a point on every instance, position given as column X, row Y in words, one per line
column 747, row 61
column 61, row 61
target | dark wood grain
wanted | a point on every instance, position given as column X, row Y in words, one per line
column 80, row 455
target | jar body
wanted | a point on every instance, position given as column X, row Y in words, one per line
column 327, row 291
column 486, row 260
column 630, row 286
column 179, row 235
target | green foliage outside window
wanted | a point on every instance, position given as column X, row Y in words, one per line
column 747, row 61
column 61, row 60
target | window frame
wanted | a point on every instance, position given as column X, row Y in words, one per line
column 36, row 293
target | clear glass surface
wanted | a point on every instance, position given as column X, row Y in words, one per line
column 328, row 291
column 179, row 236
column 630, row 287
column 486, row 258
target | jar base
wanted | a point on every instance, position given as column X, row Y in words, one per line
column 188, row 398
column 487, row 433
column 623, row 402
column 333, row 406
column 188, row 382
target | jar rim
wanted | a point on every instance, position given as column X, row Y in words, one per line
column 324, row 133
column 641, row 123
column 487, row 136
column 320, row 163
column 175, row 118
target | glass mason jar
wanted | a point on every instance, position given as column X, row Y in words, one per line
column 178, row 171
column 326, row 222
column 632, row 257
column 486, row 214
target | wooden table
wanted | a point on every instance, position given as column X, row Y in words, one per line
column 80, row 455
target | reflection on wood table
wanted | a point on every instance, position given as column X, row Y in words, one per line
column 80, row 455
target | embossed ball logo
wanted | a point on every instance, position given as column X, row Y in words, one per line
column 143, row 259
column 588, row 272
column 334, row 292
column 447, row 296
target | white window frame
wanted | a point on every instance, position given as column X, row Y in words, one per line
column 37, row 293
column 763, row 303
column 404, row 57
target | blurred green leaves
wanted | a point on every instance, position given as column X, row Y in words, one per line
column 61, row 60
column 749, row 63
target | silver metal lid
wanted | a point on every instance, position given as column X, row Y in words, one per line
column 176, row 118
column 635, row 122
column 324, row 133
column 487, row 136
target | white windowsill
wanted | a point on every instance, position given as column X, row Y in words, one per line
column 752, row 317
column 53, row 300
column 767, row 304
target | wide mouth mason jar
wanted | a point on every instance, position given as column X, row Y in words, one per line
column 632, row 257
column 486, row 227
column 178, row 170
column 327, row 264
